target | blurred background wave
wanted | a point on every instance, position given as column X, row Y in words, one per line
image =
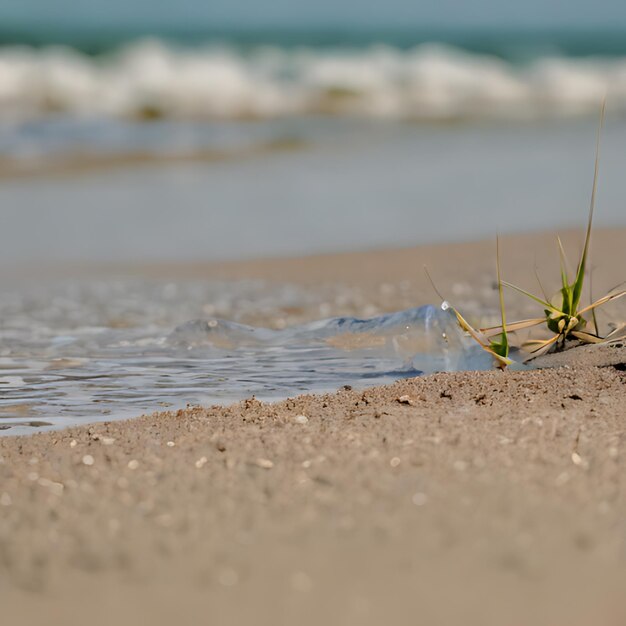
column 75, row 73
column 326, row 74
column 351, row 112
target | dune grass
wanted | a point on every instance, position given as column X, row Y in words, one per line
column 563, row 315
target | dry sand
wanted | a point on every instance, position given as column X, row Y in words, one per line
column 466, row 498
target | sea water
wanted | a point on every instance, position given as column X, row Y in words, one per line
column 357, row 186
column 400, row 143
column 151, row 78
column 103, row 351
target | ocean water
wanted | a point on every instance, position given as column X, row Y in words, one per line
column 103, row 93
column 104, row 346
column 63, row 362
column 100, row 91
column 183, row 148
column 354, row 186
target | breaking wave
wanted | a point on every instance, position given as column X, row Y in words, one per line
column 429, row 82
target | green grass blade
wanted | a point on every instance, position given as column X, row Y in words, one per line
column 566, row 290
column 580, row 272
column 503, row 345
column 563, row 258
column 543, row 303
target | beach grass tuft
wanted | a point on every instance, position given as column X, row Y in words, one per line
column 563, row 315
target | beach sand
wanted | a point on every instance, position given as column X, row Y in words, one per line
column 461, row 498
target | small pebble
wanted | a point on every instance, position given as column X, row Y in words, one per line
column 395, row 461
column 170, row 444
column 406, row 400
column 301, row 419
column 133, row 464
column 201, row 462
column 264, row 463
column 73, row 443
column 579, row 461
column 88, row 460
column 54, row 487
column 107, row 441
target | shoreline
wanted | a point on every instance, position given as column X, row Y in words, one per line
column 461, row 259
column 361, row 284
column 502, row 490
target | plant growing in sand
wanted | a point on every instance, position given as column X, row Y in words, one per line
column 563, row 314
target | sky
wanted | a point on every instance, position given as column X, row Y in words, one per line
column 554, row 14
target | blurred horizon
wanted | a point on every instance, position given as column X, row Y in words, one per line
column 513, row 43
column 145, row 15
column 482, row 26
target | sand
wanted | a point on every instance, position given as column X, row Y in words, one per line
column 465, row 498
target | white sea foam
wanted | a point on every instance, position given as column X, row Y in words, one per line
column 429, row 82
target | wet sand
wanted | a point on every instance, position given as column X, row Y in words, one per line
column 465, row 498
